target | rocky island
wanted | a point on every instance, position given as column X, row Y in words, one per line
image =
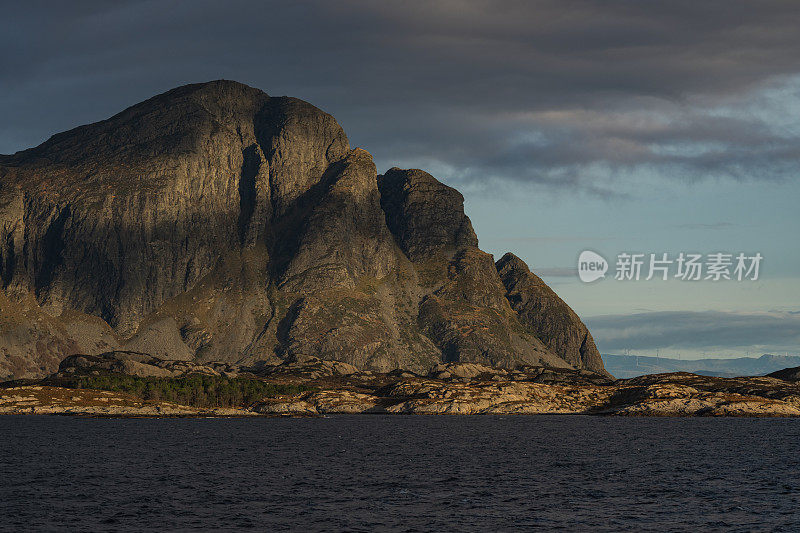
column 214, row 250
column 135, row 384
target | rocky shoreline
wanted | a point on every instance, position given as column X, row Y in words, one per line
column 332, row 387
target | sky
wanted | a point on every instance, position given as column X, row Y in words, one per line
column 611, row 126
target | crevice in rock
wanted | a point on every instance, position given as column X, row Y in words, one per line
column 187, row 274
column 247, row 190
column 391, row 201
column 285, row 324
column 52, row 250
column 266, row 126
column 108, row 314
column 450, row 353
column 286, row 232
column 582, row 358
column 8, row 258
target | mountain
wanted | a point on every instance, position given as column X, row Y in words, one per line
column 629, row 366
column 216, row 223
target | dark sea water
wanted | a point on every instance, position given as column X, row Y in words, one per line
column 408, row 473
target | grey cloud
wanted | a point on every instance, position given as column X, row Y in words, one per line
column 548, row 240
column 696, row 330
column 584, row 95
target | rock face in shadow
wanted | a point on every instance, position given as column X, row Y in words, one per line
column 551, row 319
column 114, row 218
column 470, row 320
column 425, row 216
column 216, row 223
column 787, row 374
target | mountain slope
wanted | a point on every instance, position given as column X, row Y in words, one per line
column 214, row 222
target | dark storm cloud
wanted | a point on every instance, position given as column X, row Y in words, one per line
column 698, row 330
column 588, row 95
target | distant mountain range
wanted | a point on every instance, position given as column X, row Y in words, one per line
column 630, row 366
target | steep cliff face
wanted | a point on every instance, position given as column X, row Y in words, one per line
column 551, row 319
column 214, row 222
column 426, row 216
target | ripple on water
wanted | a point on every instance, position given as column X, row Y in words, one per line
column 366, row 473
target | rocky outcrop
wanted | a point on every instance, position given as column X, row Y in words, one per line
column 470, row 320
column 216, row 223
column 117, row 217
column 425, row 216
column 47, row 400
column 476, row 389
column 316, row 387
column 787, row 374
column 344, row 238
column 550, row 318
column 137, row 364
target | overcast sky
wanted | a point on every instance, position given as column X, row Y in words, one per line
column 613, row 126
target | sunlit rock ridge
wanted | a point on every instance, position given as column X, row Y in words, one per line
column 216, row 223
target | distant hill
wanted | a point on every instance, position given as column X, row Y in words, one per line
column 630, row 366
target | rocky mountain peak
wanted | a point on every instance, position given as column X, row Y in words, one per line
column 426, row 216
column 553, row 321
column 214, row 222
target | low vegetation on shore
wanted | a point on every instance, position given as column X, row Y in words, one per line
column 195, row 390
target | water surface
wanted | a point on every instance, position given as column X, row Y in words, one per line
column 410, row 473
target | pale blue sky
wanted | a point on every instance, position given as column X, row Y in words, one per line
column 549, row 229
